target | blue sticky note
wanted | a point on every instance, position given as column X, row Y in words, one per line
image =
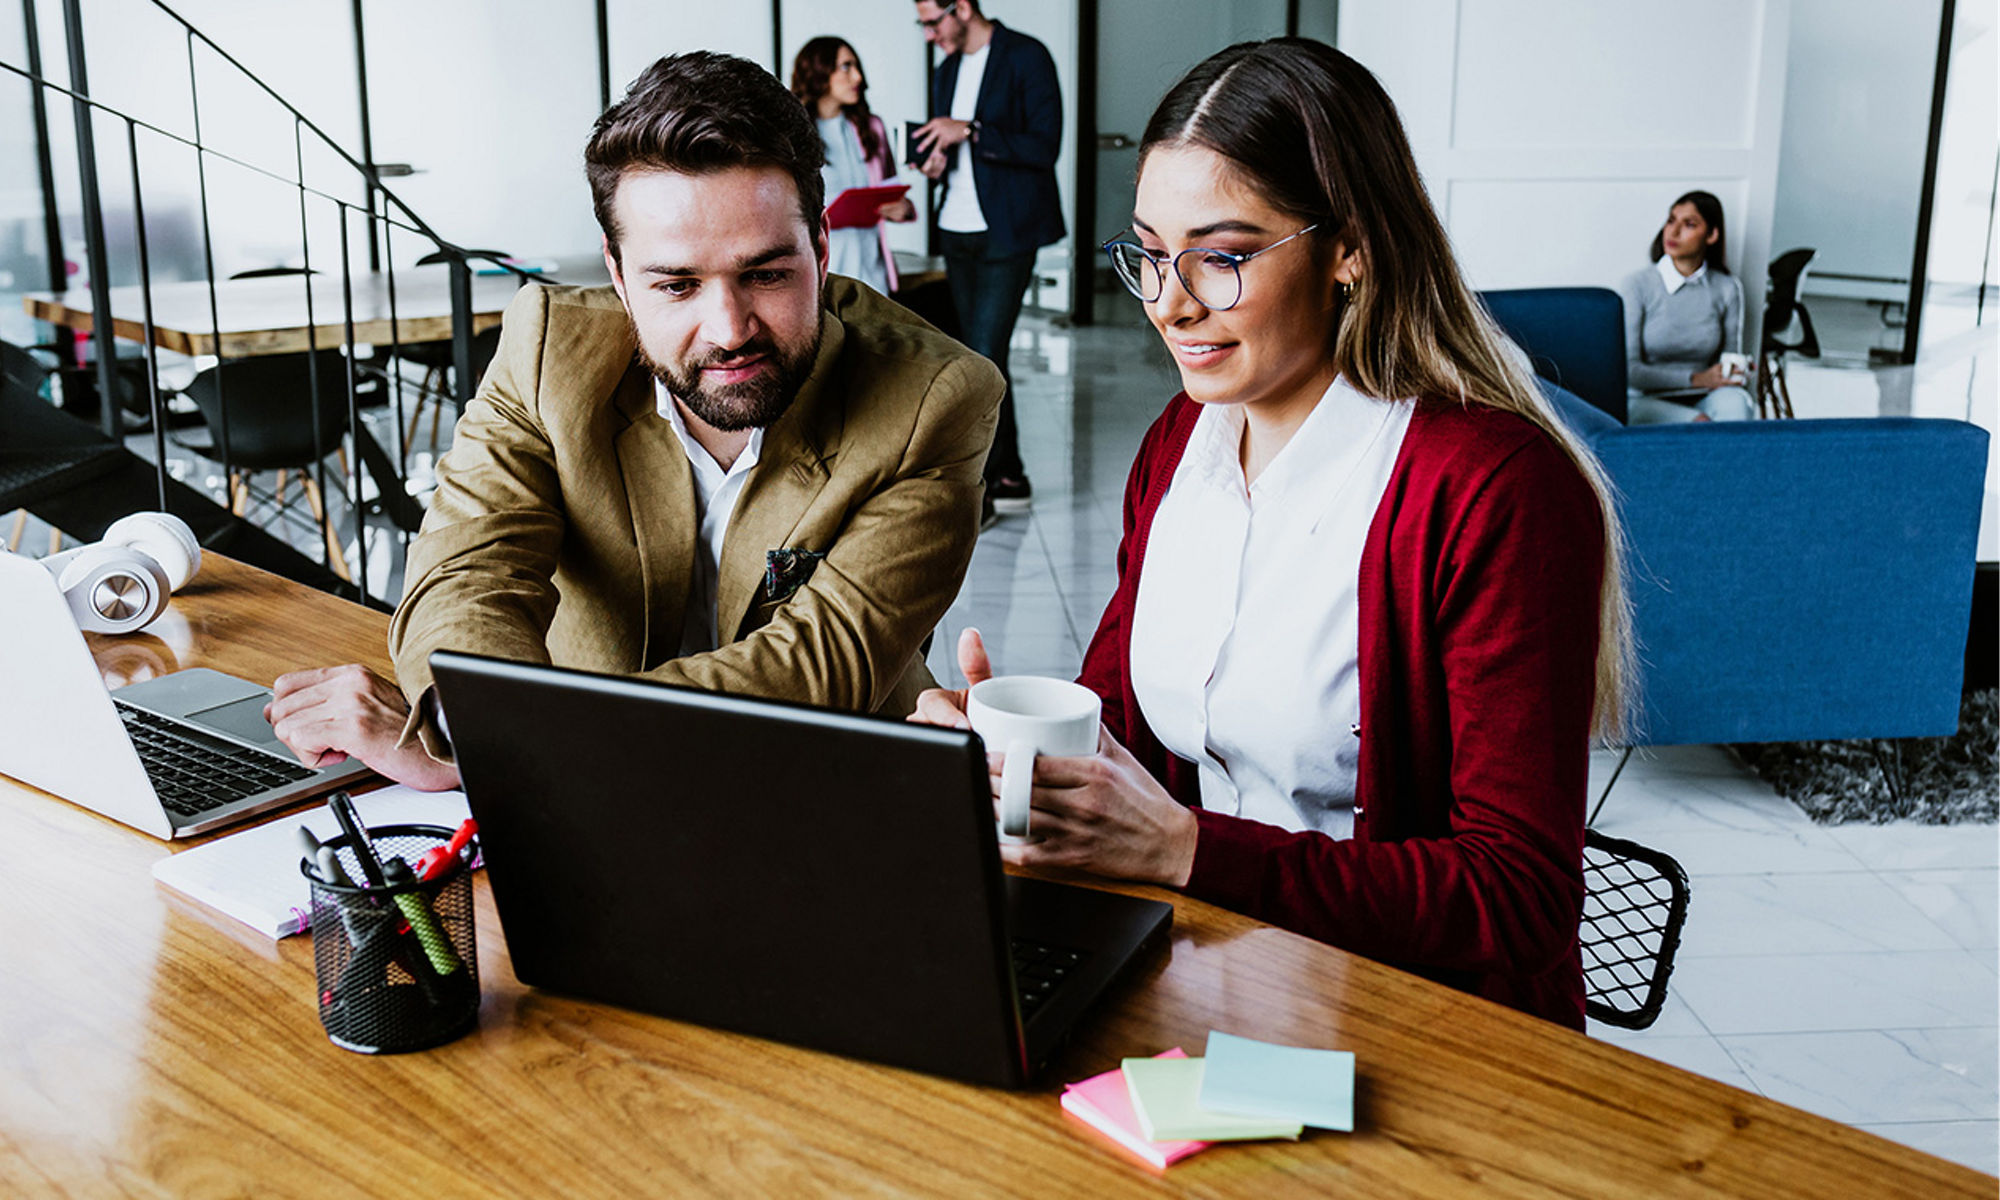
column 1257, row 1079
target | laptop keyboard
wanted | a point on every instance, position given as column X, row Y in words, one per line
column 195, row 773
column 1040, row 970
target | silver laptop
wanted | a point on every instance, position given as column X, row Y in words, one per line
column 174, row 756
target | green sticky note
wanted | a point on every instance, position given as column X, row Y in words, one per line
column 1165, row 1095
column 1258, row 1079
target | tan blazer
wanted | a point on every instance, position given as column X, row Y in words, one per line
column 563, row 528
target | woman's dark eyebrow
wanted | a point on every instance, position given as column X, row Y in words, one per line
column 1231, row 225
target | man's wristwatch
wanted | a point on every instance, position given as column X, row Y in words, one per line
column 972, row 131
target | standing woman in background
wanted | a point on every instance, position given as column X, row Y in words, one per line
column 827, row 79
column 1369, row 607
column 1682, row 315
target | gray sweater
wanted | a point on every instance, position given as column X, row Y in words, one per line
column 1670, row 337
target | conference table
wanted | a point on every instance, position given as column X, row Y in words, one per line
column 269, row 315
column 149, row 1045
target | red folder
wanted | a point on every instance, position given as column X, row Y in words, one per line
column 859, row 207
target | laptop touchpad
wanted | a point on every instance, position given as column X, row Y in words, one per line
column 241, row 719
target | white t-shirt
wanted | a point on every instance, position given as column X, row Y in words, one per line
column 715, row 492
column 1246, row 632
column 960, row 212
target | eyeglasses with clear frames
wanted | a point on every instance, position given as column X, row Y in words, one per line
column 936, row 21
column 1213, row 277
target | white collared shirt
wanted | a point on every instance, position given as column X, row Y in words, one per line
column 715, row 492
column 1246, row 631
column 1671, row 277
column 960, row 212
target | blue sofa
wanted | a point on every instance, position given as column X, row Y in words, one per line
column 1795, row 580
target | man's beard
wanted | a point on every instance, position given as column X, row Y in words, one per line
column 753, row 403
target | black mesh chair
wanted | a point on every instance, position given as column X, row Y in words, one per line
column 270, row 427
column 43, row 452
column 1634, row 904
column 1781, row 305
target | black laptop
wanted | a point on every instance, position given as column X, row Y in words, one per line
column 817, row 877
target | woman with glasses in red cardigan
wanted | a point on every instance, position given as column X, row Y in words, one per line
column 1369, row 611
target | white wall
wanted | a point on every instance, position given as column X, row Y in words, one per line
column 1857, row 117
column 1553, row 136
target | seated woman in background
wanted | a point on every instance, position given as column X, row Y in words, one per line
column 1682, row 314
column 1369, row 607
column 827, row 79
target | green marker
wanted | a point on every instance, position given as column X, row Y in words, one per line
column 423, row 922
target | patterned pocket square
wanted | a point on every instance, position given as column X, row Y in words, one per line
column 786, row 571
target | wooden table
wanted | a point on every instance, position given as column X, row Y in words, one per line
column 268, row 315
column 153, row 1047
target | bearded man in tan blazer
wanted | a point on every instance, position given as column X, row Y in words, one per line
column 728, row 470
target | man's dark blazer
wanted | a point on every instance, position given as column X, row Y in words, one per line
column 1020, row 130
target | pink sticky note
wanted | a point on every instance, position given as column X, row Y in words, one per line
column 1103, row 1102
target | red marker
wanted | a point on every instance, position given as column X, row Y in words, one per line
column 433, row 861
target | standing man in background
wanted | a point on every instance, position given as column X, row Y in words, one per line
column 994, row 144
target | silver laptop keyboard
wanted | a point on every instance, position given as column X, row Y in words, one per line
column 194, row 772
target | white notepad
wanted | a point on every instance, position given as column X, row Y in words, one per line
column 254, row 875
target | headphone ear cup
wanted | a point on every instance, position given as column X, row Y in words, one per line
column 114, row 589
column 163, row 537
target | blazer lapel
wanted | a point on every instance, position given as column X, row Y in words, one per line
column 660, row 485
column 791, row 470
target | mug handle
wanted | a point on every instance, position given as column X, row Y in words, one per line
column 1017, row 781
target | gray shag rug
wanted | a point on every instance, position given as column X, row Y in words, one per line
column 1933, row 781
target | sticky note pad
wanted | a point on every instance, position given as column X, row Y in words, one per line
column 1104, row 1103
column 1257, row 1079
column 1165, row 1093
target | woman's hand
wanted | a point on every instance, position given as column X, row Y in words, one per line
column 1103, row 813
column 1712, row 377
column 898, row 211
column 943, row 706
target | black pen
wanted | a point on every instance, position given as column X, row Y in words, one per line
column 357, row 836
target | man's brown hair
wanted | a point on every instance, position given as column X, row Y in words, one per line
column 699, row 112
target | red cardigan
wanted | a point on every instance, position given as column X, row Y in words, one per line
column 1478, row 593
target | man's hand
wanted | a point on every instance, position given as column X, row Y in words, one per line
column 941, row 133
column 935, row 165
column 329, row 714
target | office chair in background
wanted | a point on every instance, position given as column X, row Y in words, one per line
column 1781, row 304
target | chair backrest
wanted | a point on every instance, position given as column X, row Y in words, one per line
column 21, row 374
column 1798, row 580
column 1635, row 901
column 1575, row 336
column 1781, row 303
column 270, row 411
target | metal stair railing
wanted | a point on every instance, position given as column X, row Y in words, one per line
column 395, row 501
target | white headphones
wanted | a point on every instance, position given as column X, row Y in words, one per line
column 120, row 584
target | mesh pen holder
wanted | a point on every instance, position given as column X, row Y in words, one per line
column 396, row 967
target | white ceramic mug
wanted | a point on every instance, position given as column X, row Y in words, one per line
column 1736, row 366
column 1023, row 716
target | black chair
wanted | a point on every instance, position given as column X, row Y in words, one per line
column 42, row 451
column 1575, row 336
column 268, row 426
column 1634, row 904
column 436, row 359
column 1781, row 305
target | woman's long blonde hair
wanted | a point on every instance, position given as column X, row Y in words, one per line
column 1316, row 134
